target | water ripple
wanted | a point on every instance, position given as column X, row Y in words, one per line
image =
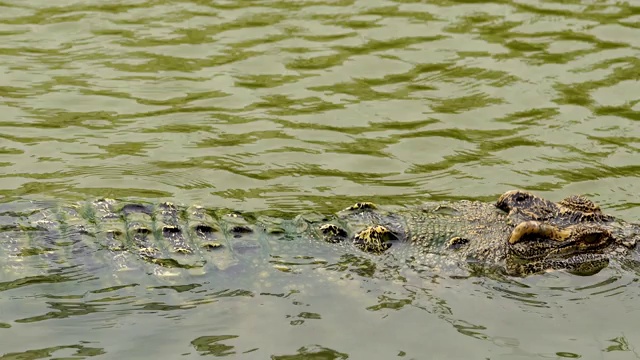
column 287, row 107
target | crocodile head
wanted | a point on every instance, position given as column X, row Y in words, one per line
column 571, row 234
column 537, row 246
column 534, row 239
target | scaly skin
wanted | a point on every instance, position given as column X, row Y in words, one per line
column 443, row 236
column 144, row 237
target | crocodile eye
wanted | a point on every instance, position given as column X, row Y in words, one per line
column 521, row 198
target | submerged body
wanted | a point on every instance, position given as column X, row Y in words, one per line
column 441, row 236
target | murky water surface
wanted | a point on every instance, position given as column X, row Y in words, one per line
column 290, row 106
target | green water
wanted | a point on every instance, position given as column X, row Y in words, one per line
column 285, row 106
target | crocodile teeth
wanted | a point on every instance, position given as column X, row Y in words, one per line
column 536, row 229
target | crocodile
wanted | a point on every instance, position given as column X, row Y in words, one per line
column 514, row 236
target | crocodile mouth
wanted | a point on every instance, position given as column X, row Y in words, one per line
column 532, row 240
